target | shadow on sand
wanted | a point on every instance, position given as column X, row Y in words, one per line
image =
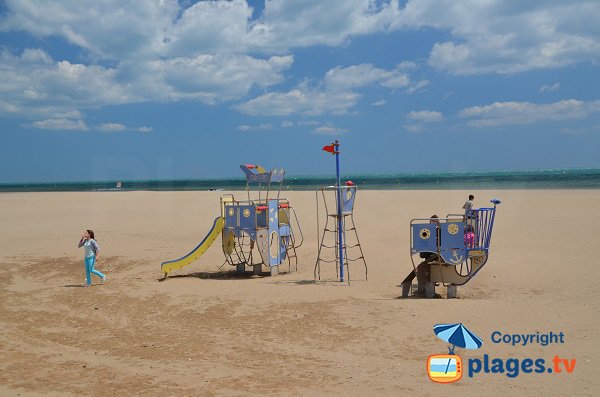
column 219, row 275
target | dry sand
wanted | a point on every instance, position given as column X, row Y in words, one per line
column 205, row 332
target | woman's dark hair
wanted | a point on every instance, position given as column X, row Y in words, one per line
column 471, row 197
column 91, row 233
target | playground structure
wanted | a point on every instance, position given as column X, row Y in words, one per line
column 262, row 225
column 454, row 249
column 337, row 224
column 329, row 237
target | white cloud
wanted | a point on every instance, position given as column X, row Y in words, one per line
column 200, row 51
column 145, row 129
column 550, row 87
column 340, row 78
column 118, row 29
column 109, row 29
column 302, row 100
column 380, row 102
column 329, row 129
column 287, row 124
column 492, row 36
column 288, row 24
column 426, row 116
column 497, row 36
column 60, row 124
column 34, row 84
column 333, row 95
column 256, row 127
column 414, row 128
column 514, row 113
column 209, row 78
column 417, row 87
column 111, row 127
column 406, row 66
column 308, row 122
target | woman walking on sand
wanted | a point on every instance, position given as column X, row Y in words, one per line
column 91, row 253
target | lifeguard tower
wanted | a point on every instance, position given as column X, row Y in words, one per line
column 336, row 204
column 453, row 250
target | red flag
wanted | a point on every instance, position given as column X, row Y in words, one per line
column 329, row 148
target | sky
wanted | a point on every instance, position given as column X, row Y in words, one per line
column 136, row 90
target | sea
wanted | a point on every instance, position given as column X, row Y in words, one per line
column 482, row 180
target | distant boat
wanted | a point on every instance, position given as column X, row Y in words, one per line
column 119, row 184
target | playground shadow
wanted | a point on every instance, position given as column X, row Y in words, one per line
column 294, row 282
column 417, row 296
column 219, row 275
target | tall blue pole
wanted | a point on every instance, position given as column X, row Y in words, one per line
column 339, row 210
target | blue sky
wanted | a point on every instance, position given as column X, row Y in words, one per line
column 168, row 89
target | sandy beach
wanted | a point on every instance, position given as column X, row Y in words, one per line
column 206, row 331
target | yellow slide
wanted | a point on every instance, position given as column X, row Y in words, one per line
column 197, row 252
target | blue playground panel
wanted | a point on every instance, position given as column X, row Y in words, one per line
column 424, row 236
column 231, row 219
column 348, row 196
column 247, row 217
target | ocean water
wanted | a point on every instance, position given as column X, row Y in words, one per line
column 488, row 180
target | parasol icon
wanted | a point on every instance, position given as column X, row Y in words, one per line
column 457, row 335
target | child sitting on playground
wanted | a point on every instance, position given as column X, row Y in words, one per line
column 469, row 237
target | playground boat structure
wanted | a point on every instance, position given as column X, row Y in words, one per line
column 255, row 232
column 450, row 256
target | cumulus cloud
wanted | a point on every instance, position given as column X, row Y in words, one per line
column 506, row 37
column 60, row 124
column 334, row 94
column 153, row 56
column 117, row 29
column 289, row 24
column 426, row 116
column 215, row 51
column 492, row 36
column 514, row 113
column 302, row 100
column 33, row 83
column 340, row 78
column 418, row 120
column 111, row 127
column 256, row 127
column 550, row 87
column 329, row 129
column 209, row 78
column 414, row 128
column 109, row 29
